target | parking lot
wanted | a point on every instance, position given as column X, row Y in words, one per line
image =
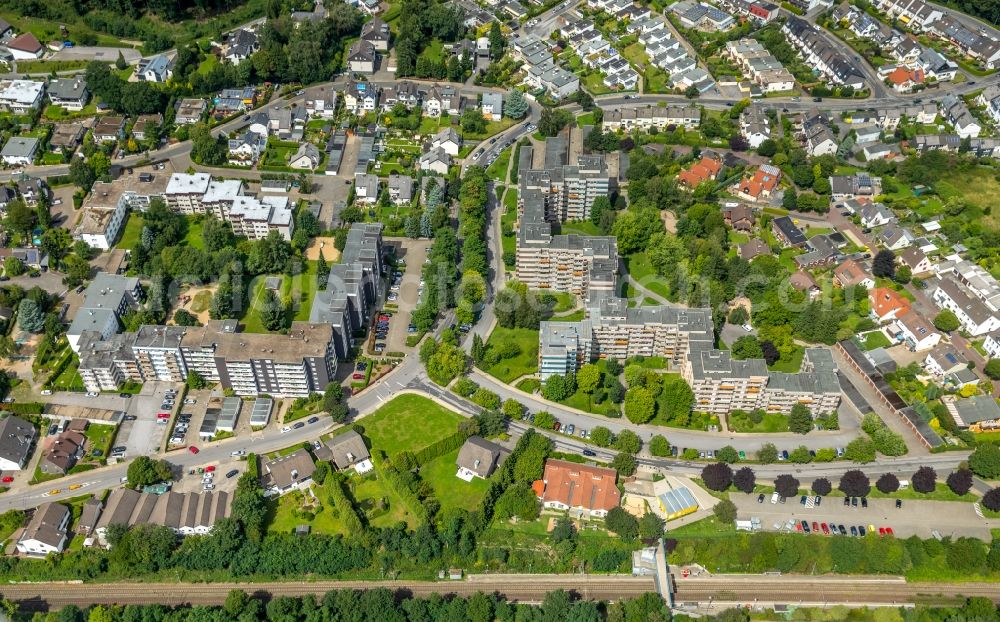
column 414, row 253
column 142, row 436
column 921, row 518
column 214, row 474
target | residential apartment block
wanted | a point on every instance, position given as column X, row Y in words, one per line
column 722, row 384
column 198, row 193
column 346, row 303
column 614, row 330
column 295, row 364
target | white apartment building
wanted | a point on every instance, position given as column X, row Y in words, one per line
column 103, row 215
column 722, row 384
column 21, row 96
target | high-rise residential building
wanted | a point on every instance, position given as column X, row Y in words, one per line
column 722, row 384
column 346, row 303
column 295, row 364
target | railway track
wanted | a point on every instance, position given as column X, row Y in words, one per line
column 833, row 590
column 45, row 596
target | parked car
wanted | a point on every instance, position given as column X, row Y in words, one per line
column 589, row 453
column 299, row 425
column 899, row 503
column 760, row 498
column 89, row 394
column 232, row 474
column 193, row 449
column 239, row 452
column 286, row 429
column 7, row 479
column 312, row 420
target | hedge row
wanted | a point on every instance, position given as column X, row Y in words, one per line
column 340, row 500
column 391, row 477
column 25, row 408
column 439, row 448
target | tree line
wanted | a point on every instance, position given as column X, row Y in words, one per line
column 379, row 604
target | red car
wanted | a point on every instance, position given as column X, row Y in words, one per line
column 881, row 531
column 826, row 530
column 798, row 526
column 557, row 426
column 358, row 376
column 888, row 531
column 815, row 527
column 7, row 479
column 210, row 469
column 163, row 415
column 193, row 449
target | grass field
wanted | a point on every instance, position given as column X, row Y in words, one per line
column 772, row 422
column 251, row 319
column 131, row 232
column 790, row 364
column 100, row 437
column 409, row 423
column 524, row 363
column 368, row 491
column 448, row 489
column 498, row 170
column 639, row 268
column 978, row 187
column 69, row 379
column 201, row 302
column 875, row 339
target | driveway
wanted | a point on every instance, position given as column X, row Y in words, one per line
column 105, row 54
column 414, row 252
column 920, row 518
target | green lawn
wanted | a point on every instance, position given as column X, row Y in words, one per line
column 941, row 493
column 251, row 318
column 596, row 403
column 524, row 363
column 977, row 186
column 581, row 227
column 772, row 422
column 585, row 119
column 409, row 423
column 564, row 301
column 790, row 364
column 509, row 237
column 370, row 493
column 498, row 170
column 193, row 237
column 875, row 339
column 100, row 437
column 448, row 488
column 301, row 288
column 284, row 520
column 69, row 379
column 201, row 302
column 492, row 128
column 130, row 233
column 639, row 268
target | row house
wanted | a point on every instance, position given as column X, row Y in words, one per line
column 830, row 61
column 628, row 119
column 957, row 113
column 760, row 66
